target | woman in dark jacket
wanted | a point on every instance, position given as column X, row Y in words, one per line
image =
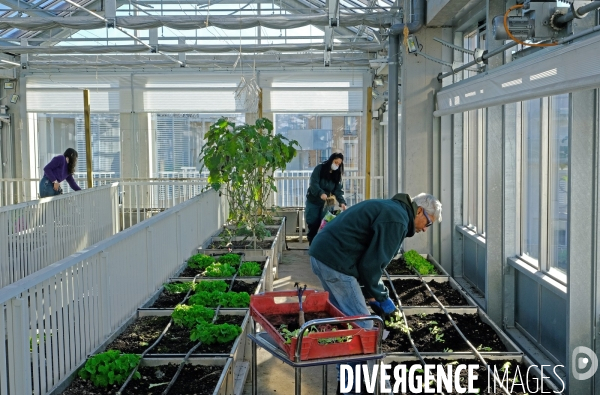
column 325, row 181
column 60, row 168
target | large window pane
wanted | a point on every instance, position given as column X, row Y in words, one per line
column 57, row 132
column 179, row 140
column 319, row 136
column 558, row 171
column 530, row 213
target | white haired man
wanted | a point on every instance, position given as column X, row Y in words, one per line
column 351, row 252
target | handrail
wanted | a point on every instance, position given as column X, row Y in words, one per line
column 15, row 289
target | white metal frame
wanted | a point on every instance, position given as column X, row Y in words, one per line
column 69, row 308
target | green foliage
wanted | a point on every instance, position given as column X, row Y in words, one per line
column 420, row 264
column 395, row 321
column 231, row 259
column 481, row 348
column 250, row 269
column 220, row 270
column 190, row 316
column 211, row 333
column 110, row 367
column 211, row 286
column 200, row 261
column 242, row 160
column 178, row 288
column 288, row 335
column 225, row 299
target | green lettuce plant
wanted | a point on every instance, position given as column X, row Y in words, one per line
column 220, row 270
column 110, row 367
column 178, row 288
column 415, row 260
column 250, row 269
column 213, row 333
column 190, row 316
column 200, row 261
column 231, row 259
column 211, row 286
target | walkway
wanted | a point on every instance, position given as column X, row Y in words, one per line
column 274, row 376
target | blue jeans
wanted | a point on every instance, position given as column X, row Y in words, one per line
column 47, row 188
column 345, row 294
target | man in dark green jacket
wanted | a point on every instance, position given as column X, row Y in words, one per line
column 352, row 250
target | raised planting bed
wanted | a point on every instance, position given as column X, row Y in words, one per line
column 145, row 329
column 432, row 332
column 200, row 376
column 398, row 267
column 512, row 371
column 168, row 300
column 412, row 292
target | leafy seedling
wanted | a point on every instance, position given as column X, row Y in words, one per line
column 109, row 368
column 481, row 348
column 200, row 261
column 415, row 260
column 178, row 288
column 250, row 269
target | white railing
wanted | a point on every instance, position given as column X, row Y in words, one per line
column 18, row 190
column 55, row 317
column 142, row 199
column 38, row 233
column 293, row 185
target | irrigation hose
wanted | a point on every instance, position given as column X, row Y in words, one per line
column 477, row 354
column 135, row 369
column 412, row 343
column 517, row 6
column 187, row 356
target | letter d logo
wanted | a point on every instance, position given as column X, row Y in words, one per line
column 579, row 362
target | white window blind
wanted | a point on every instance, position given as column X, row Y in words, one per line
column 154, row 93
column 312, row 92
column 106, row 144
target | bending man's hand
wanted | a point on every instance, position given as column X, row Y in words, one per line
column 323, row 196
column 343, row 206
column 384, row 308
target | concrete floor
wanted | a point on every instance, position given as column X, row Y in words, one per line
column 274, row 376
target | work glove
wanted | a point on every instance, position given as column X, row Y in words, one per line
column 384, row 308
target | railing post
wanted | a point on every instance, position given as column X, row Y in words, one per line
column 48, row 209
column 105, row 296
column 4, row 263
column 178, row 238
column 19, row 361
column 150, row 261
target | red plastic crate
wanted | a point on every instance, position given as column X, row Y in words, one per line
column 364, row 341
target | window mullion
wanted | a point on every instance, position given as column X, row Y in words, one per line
column 544, row 180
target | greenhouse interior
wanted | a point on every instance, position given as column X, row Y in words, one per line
column 194, row 193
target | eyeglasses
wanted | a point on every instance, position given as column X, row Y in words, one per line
column 429, row 223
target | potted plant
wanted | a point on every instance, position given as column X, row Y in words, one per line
column 241, row 160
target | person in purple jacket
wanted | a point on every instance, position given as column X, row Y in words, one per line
column 60, row 168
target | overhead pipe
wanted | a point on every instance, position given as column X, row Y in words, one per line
column 576, row 13
column 396, row 31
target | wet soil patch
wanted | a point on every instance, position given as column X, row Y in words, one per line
column 521, row 386
column 167, row 300
column 414, row 293
column 189, row 272
column 435, row 333
column 398, row 267
column 140, row 335
column 145, row 330
column 197, row 380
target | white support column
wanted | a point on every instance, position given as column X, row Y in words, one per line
column 581, row 236
column 181, row 41
column 18, row 348
column 494, row 185
column 333, row 13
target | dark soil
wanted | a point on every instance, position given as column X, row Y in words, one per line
column 196, row 380
column 414, row 293
column 167, row 300
column 139, row 335
column 427, row 331
column 189, row 272
column 145, row 330
column 481, row 382
column 398, row 267
column 291, row 320
column 177, row 339
column 241, row 245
